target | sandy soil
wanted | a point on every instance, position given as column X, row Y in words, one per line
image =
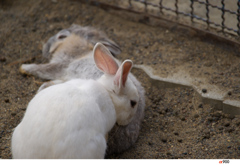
column 176, row 124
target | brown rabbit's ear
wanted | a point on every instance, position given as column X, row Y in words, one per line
column 104, row 59
column 55, row 46
column 112, row 46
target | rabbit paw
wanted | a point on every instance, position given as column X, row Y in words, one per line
column 23, row 69
column 27, row 69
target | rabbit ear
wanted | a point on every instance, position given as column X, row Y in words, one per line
column 54, row 46
column 104, row 59
column 112, row 46
column 122, row 73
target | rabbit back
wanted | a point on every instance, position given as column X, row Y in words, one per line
column 68, row 120
column 83, row 68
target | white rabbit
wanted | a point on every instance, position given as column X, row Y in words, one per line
column 71, row 119
column 70, row 54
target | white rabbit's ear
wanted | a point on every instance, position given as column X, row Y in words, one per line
column 104, row 59
column 122, row 74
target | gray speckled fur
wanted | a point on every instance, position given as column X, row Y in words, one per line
column 76, row 61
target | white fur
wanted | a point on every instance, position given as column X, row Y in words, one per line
column 71, row 120
column 71, row 57
column 65, row 121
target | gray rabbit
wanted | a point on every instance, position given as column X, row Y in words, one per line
column 70, row 55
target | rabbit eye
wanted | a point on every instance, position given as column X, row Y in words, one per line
column 133, row 103
column 62, row 37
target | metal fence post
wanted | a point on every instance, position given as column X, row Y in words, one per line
column 223, row 12
column 238, row 18
column 191, row 6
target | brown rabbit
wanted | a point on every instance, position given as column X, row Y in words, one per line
column 70, row 55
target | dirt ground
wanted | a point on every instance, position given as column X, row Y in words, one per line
column 176, row 125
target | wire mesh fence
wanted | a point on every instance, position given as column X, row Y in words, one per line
column 222, row 15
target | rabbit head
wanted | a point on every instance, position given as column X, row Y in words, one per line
column 122, row 90
column 86, row 34
column 66, row 43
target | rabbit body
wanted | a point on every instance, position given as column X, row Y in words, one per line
column 71, row 119
column 75, row 129
column 70, row 54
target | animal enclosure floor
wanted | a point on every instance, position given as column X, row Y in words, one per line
column 176, row 125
